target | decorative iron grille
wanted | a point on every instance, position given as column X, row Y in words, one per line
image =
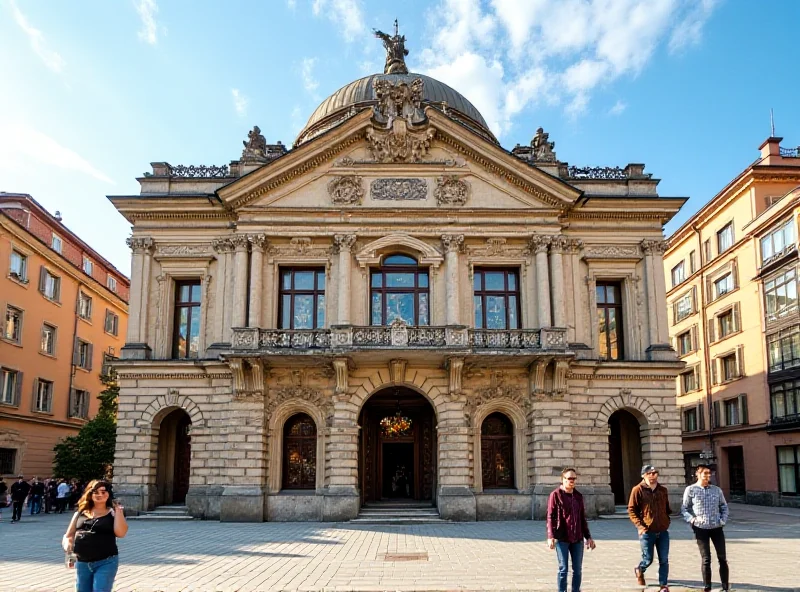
column 616, row 173
column 200, row 171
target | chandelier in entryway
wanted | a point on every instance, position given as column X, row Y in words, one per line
column 394, row 426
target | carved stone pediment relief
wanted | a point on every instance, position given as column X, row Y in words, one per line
column 498, row 247
column 400, row 142
column 612, row 252
column 186, row 250
column 399, row 189
column 451, row 191
column 300, row 246
column 347, row 190
column 501, row 386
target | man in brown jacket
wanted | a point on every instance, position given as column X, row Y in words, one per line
column 649, row 510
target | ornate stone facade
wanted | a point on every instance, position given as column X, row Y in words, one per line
column 554, row 252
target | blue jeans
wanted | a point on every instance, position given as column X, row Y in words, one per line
column 36, row 504
column 659, row 540
column 96, row 576
column 564, row 551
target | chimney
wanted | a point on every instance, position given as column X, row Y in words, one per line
column 771, row 150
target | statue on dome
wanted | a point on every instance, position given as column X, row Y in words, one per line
column 255, row 147
column 396, row 51
column 542, row 147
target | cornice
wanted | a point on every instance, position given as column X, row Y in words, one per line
column 625, row 377
column 172, row 376
column 142, row 215
column 617, row 215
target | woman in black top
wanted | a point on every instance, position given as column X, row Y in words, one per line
column 92, row 537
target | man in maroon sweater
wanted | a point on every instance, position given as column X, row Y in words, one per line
column 567, row 528
column 649, row 511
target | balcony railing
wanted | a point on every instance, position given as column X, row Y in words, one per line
column 398, row 336
column 784, row 422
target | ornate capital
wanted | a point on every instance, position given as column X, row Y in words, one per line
column 240, row 242
column 222, row 245
column 140, row 244
column 451, row 191
column 258, row 241
column 453, row 243
column 539, row 243
column 558, row 243
column 455, row 368
column 346, row 190
column 574, row 245
column 343, row 242
column 654, row 247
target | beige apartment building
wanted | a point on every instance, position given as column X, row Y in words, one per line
column 398, row 309
column 731, row 272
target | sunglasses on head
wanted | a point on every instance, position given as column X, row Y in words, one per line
column 651, row 473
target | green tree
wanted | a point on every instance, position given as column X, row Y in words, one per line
column 90, row 453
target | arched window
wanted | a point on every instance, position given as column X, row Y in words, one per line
column 399, row 290
column 299, row 452
column 497, row 452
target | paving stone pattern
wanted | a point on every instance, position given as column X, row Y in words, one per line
column 763, row 549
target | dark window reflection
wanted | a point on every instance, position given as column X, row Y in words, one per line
column 186, row 319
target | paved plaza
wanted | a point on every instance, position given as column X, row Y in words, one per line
column 763, row 550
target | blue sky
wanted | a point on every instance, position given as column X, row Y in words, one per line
column 94, row 91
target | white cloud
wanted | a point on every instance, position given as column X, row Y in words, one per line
column 240, row 102
column 310, row 83
column 291, row 4
column 345, row 14
column 147, row 10
column 506, row 55
column 52, row 59
column 618, row 108
column 25, row 143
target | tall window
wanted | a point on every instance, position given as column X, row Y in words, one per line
column 496, row 297
column 300, row 453
column 186, row 320
column 12, row 329
column 49, row 285
column 111, row 283
column 88, row 266
column 692, row 262
column 784, row 399
column 85, row 306
column 399, row 290
column 497, row 452
column 302, row 300
column 727, row 324
column 19, row 266
column 732, row 415
column 678, row 274
column 48, row 340
column 56, row 243
column 83, row 355
column 683, row 307
column 777, row 241
column 609, row 320
column 788, row 469
column 780, row 293
column 9, row 387
column 112, row 323
column 689, row 381
column 690, row 420
column 783, row 349
column 79, row 404
column 725, row 238
column 7, row 458
column 685, row 343
column 723, row 285
column 43, row 401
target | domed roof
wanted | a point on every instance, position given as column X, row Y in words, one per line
column 361, row 94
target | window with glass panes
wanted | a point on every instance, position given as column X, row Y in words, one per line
column 497, row 452
column 44, row 396
column 732, row 416
column 496, row 299
column 8, row 386
column 48, row 339
column 683, row 307
column 777, row 241
column 780, row 294
column 725, row 238
column 788, row 469
column 690, row 420
column 726, row 324
column 186, row 320
column 13, row 325
column 784, row 399
column 300, row 453
column 19, row 266
column 723, row 285
column 783, row 349
column 609, row 320
column 302, row 298
column 689, row 381
column 85, row 306
column 730, row 369
column 678, row 274
column 7, row 458
column 399, row 289
column 685, row 343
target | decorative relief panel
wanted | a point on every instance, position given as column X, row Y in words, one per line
column 498, row 247
column 502, row 385
column 399, row 189
column 612, row 251
column 300, row 246
column 451, row 191
column 346, row 190
column 182, row 250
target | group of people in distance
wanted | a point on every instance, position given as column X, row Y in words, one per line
column 51, row 495
column 703, row 507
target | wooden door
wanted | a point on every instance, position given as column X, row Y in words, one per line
column 183, row 455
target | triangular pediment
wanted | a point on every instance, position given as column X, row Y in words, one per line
column 459, row 169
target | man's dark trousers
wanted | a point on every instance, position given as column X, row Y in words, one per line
column 705, row 536
column 16, row 511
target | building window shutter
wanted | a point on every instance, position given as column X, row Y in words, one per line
column 716, row 415
column 71, row 411
column 714, row 379
column 737, row 319
column 18, row 389
column 90, row 356
column 740, row 361
column 76, row 352
column 735, row 274
column 711, row 327
column 743, row 409
column 701, row 417
column 42, row 278
column 698, row 377
column 693, row 335
column 35, row 394
column 674, row 313
column 694, row 299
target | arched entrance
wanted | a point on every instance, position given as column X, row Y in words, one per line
column 174, row 455
column 625, row 454
column 397, row 447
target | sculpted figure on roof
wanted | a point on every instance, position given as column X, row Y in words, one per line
column 396, row 51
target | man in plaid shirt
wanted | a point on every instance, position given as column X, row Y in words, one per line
column 705, row 508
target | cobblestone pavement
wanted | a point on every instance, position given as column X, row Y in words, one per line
column 763, row 551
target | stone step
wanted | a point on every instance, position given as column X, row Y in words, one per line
column 377, row 506
column 399, row 521
column 165, row 517
column 170, row 511
column 392, row 511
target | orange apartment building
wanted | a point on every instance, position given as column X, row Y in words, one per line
column 731, row 273
column 65, row 311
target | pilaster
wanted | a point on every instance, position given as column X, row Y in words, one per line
column 452, row 243
column 343, row 244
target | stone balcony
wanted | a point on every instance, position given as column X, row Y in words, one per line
column 346, row 338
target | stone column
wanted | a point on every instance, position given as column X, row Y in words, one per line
column 662, row 322
column 222, row 246
column 650, row 289
column 240, row 244
column 258, row 243
column 343, row 243
column 557, row 246
column 579, row 319
column 136, row 339
column 453, row 243
column 539, row 246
